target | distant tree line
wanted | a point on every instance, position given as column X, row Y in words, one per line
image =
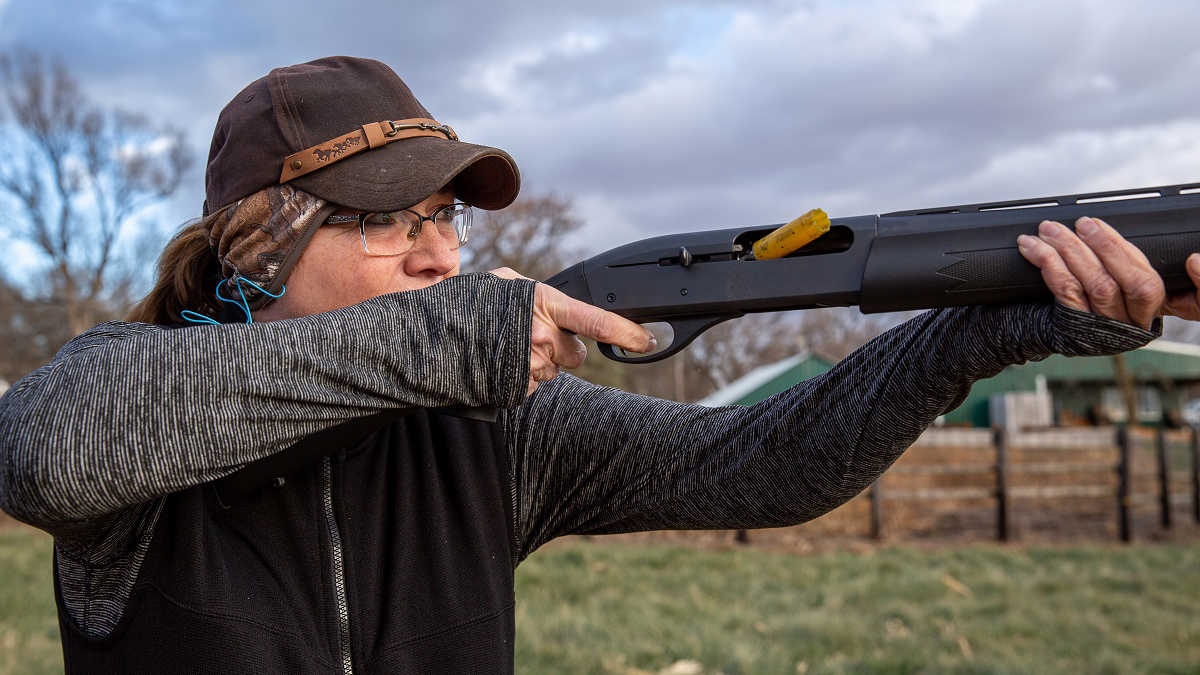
column 75, row 177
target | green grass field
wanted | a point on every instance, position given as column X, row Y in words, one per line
column 591, row 607
column 28, row 623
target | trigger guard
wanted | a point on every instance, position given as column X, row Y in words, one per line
column 686, row 329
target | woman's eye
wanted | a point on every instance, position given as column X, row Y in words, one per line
column 449, row 213
column 381, row 219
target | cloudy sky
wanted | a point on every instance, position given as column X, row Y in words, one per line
column 670, row 116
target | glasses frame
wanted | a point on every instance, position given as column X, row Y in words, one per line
column 414, row 230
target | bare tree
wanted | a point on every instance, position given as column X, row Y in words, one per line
column 530, row 237
column 835, row 332
column 30, row 329
column 77, row 175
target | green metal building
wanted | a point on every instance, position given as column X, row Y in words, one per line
column 1082, row 389
column 768, row 380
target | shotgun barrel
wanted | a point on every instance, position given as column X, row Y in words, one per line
column 921, row 259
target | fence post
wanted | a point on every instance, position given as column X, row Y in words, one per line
column 1195, row 475
column 1000, row 438
column 1123, row 484
column 1164, row 477
column 877, row 509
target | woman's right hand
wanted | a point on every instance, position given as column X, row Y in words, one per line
column 559, row 318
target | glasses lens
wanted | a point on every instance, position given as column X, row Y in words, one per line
column 396, row 232
column 387, row 233
column 454, row 224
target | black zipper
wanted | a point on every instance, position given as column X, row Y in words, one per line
column 339, row 572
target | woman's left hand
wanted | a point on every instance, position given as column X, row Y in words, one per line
column 1186, row 305
column 1096, row 270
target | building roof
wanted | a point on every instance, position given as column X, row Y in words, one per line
column 1168, row 347
column 767, row 380
column 1159, row 360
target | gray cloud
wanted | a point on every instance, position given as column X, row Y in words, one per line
column 680, row 115
column 884, row 109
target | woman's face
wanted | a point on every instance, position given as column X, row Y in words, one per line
column 334, row 271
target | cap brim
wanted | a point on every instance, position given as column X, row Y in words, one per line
column 406, row 172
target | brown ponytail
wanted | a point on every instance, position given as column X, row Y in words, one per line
column 187, row 275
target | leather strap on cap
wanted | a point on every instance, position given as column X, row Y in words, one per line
column 369, row 137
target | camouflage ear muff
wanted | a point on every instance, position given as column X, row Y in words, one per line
column 259, row 239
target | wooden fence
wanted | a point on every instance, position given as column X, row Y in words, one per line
column 1043, row 478
column 1079, row 483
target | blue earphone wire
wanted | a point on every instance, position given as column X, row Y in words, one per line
column 243, row 304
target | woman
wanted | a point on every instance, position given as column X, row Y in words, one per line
column 323, row 290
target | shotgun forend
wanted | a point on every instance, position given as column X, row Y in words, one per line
column 923, row 259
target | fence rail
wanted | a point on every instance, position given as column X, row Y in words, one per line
column 1068, row 481
column 1132, row 469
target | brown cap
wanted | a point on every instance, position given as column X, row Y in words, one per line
column 334, row 114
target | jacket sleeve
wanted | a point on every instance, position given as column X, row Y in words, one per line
column 589, row 459
column 126, row 413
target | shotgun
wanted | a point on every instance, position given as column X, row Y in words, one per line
column 945, row 257
column 921, row 259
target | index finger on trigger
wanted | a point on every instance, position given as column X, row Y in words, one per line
column 604, row 326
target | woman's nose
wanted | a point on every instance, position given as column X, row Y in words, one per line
column 432, row 251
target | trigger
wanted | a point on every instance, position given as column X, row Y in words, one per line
column 684, row 329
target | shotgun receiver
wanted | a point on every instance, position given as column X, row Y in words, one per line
column 923, row 259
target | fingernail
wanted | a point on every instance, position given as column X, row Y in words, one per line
column 653, row 344
column 1049, row 228
column 1025, row 241
column 1086, row 227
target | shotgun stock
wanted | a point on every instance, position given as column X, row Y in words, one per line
column 922, row 259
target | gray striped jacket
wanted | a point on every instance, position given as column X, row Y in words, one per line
column 127, row 413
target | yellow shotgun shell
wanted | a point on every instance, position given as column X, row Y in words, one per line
column 792, row 236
